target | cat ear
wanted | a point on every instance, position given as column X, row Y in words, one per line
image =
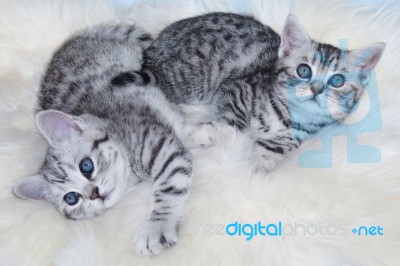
column 367, row 57
column 293, row 36
column 57, row 126
column 32, row 187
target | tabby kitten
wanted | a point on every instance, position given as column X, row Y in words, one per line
column 107, row 134
column 278, row 90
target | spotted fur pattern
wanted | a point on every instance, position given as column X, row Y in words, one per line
column 94, row 106
column 247, row 75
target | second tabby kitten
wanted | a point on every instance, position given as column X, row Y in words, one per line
column 278, row 90
column 105, row 136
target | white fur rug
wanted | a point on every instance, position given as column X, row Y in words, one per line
column 327, row 203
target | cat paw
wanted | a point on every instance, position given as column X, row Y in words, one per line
column 266, row 161
column 200, row 135
column 154, row 237
column 263, row 169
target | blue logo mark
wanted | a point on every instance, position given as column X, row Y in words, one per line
column 369, row 120
column 280, row 229
column 251, row 230
column 368, row 231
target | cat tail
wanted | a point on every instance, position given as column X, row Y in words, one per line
column 142, row 77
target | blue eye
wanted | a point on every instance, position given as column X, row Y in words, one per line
column 86, row 166
column 71, row 198
column 304, row 71
column 336, row 80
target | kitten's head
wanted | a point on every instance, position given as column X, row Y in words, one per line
column 84, row 173
column 324, row 83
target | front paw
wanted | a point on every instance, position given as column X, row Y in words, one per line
column 200, row 135
column 265, row 161
column 152, row 238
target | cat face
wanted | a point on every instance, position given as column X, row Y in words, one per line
column 84, row 173
column 322, row 82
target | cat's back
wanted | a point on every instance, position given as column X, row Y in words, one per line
column 86, row 62
column 227, row 30
column 197, row 54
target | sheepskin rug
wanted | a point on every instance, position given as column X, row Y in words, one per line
column 317, row 208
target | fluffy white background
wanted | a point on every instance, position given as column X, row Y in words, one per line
column 34, row 233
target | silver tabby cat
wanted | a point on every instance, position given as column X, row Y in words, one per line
column 280, row 90
column 107, row 133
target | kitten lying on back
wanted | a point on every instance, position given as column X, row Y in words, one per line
column 106, row 138
column 279, row 90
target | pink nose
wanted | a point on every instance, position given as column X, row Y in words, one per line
column 316, row 87
column 95, row 194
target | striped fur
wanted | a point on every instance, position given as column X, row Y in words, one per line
column 247, row 74
column 95, row 108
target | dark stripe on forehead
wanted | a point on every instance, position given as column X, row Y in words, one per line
column 53, row 168
column 63, row 174
column 328, row 50
column 52, row 180
column 97, row 142
column 327, row 54
column 335, row 67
